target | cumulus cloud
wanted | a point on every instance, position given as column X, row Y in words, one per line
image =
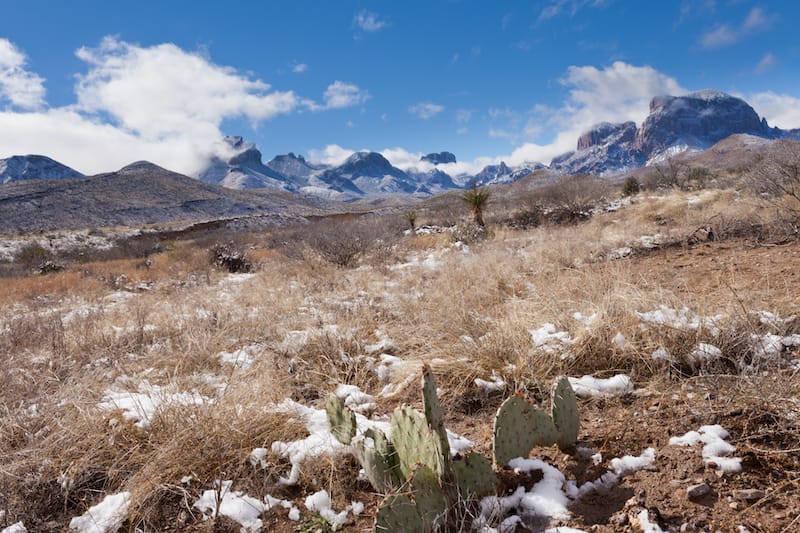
column 158, row 103
column 340, row 94
column 617, row 93
column 425, row 110
column 780, row 110
column 332, row 155
column 19, row 87
column 757, row 20
column 299, row 68
column 368, row 21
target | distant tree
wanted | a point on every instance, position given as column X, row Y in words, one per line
column 476, row 198
column 631, row 187
column 668, row 172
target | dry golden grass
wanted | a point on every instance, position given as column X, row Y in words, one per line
column 70, row 337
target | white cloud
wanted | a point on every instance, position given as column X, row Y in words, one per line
column 463, row 116
column 780, row 110
column 340, row 94
column 617, row 93
column 725, row 34
column 332, row 154
column 557, row 7
column 21, row 88
column 299, row 68
column 159, row 103
column 766, row 63
column 163, row 91
column 368, row 21
column 719, row 37
column 425, row 110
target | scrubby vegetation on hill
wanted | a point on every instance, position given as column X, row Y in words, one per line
column 165, row 390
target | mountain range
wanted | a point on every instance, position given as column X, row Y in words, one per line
column 675, row 124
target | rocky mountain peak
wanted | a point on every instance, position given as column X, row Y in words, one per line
column 440, row 158
column 605, row 132
column 26, row 167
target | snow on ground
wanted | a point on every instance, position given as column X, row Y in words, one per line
column 18, row 527
column 716, row 450
column 320, row 502
column 105, row 517
column 703, row 353
column 496, row 383
column 683, row 319
column 243, row 357
column 140, row 407
column 549, row 339
column 619, row 468
column 354, row 398
column 646, row 525
column 244, row 509
column 591, row 387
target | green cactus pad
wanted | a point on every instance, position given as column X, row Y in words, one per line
column 433, row 409
column 341, row 420
column 379, row 464
column 565, row 415
column 398, row 514
column 416, row 443
column 518, row 427
column 429, row 497
column 474, row 476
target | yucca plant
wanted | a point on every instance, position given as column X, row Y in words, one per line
column 411, row 217
column 476, row 198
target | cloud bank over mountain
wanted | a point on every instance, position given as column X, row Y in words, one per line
column 158, row 103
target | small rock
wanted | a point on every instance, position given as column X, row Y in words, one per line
column 748, row 495
column 695, row 492
column 734, row 505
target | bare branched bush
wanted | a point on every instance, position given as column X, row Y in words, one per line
column 777, row 179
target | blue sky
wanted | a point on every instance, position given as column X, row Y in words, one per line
column 98, row 84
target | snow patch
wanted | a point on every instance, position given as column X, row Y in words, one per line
column 716, row 450
column 105, row 517
column 591, row 387
column 140, row 407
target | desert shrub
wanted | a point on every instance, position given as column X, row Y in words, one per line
column 469, row 232
column 631, row 187
column 342, row 242
column 231, row 258
column 776, row 178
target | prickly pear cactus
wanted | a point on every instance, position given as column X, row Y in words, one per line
column 433, row 413
column 474, row 475
column 416, row 443
column 429, row 497
column 341, row 419
column 379, row 460
column 565, row 415
column 398, row 514
column 518, row 427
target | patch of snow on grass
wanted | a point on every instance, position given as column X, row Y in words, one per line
column 235, row 505
column 19, row 527
column 140, row 407
column 716, row 450
column 320, row 502
column 242, row 358
column 105, row 517
column 591, row 387
column 496, row 384
column 549, row 338
column 683, row 319
column 703, row 353
column 354, row 398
